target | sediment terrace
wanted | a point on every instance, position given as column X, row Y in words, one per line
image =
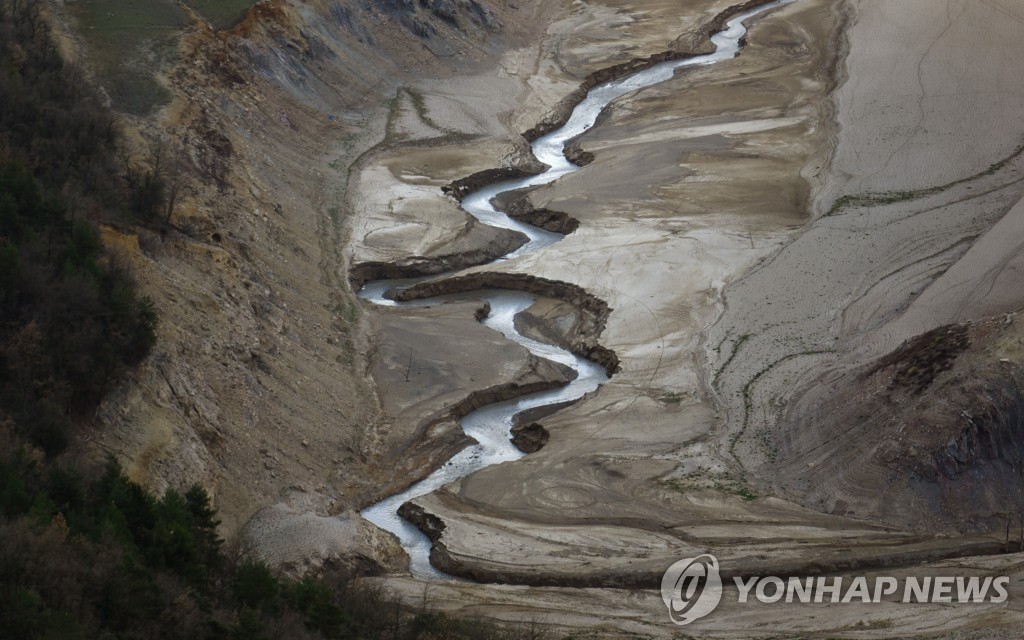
column 748, row 325
column 689, row 186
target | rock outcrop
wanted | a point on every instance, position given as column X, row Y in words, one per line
column 530, row 438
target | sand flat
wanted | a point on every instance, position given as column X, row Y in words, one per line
column 703, row 225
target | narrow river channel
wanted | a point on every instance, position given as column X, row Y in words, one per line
column 490, row 425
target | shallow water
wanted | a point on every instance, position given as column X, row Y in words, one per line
column 490, row 425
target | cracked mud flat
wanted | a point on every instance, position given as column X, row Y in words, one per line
column 695, row 214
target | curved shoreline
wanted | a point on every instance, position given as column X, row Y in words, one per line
column 549, row 149
column 505, row 392
column 595, row 310
column 896, row 556
column 563, row 111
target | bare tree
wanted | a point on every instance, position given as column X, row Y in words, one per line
column 156, row 156
column 174, row 181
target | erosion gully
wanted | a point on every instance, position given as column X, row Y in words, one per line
column 490, row 425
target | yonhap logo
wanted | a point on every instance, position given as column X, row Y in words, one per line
column 691, row 588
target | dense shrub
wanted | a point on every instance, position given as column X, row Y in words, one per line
column 102, row 557
column 70, row 320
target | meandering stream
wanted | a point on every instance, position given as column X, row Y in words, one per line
column 490, row 425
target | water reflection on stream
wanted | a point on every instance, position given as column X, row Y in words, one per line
column 490, row 425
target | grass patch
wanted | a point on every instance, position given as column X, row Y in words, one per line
column 394, row 106
column 335, row 214
column 748, row 402
column 735, row 349
column 115, row 19
column 667, row 397
column 741, row 491
column 221, row 14
column 420, row 105
column 694, row 482
column 128, row 44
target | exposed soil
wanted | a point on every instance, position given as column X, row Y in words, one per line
column 763, row 408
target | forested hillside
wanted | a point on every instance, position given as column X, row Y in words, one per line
column 70, row 319
column 85, row 552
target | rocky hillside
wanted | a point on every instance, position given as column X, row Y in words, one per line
column 257, row 386
column 872, row 367
column 937, row 423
